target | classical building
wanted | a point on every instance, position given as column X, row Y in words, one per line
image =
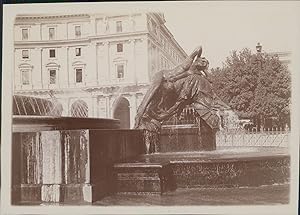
column 93, row 65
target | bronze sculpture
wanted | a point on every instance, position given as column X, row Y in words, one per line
column 172, row 90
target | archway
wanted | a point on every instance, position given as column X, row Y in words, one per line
column 122, row 112
column 79, row 109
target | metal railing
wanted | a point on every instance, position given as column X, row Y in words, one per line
column 275, row 137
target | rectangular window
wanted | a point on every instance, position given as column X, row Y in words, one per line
column 25, row 34
column 25, row 54
column 52, row 76
column 51, row 33
column 119, row 47
column 120, row 71
column 78, row 51
column 77, row 31
column 78, row 75
column 119, row 26
column 25, row 77
column 52, row 53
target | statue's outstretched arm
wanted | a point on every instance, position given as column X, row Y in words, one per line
column 179, row 71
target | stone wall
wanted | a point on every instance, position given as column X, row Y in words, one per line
column 68, row 165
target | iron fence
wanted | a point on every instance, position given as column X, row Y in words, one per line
column 275, row 137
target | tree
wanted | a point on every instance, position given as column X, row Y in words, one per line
column 255, row 86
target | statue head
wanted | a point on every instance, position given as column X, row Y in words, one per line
column 200, row 64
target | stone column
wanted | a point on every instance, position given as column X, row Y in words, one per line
column 63, row 76
column 106, row 62
column 28, row 162
column 41, row 67
column 132, row 63
column 40, row 165
column 92, row 66
column 68, row 67
column 37, row 84
column 107, row 103
column 100, row 58
column 95, row 106
column 75, row 166
column 93, row 26
column 102, row 107
column 110, row 107
column 142, row 61
column 51, row 161
column 43, row 74
column 17, row 74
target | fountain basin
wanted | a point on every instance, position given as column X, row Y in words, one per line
column 226, row 167
column 66, row 159
column 47, row 123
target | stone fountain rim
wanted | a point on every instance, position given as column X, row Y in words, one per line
column 23, row 123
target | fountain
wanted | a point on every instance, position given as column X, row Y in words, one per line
column 185, row 154
column 159, row 155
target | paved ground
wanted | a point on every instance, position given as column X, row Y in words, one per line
column 264, row 195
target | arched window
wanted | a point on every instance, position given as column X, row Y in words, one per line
column 122, row 112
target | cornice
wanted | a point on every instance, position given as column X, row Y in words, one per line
column 47, row 17
column 159, row 18
column 159, row 46
column 21, row 19
column 171, row 37
column 86, row 40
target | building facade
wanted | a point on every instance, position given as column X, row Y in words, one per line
column 93, row 65
column 284, row 57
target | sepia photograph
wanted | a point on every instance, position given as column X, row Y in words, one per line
column 150, row 108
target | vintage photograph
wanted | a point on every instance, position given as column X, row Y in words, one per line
column 150, row 104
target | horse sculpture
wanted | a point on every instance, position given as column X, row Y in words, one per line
column 172, row 90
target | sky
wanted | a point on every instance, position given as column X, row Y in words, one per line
column 221, row 27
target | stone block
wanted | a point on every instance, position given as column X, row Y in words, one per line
column 184, row 139
column 232, row 172
column 143, row 177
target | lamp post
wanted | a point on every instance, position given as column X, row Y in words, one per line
column 261, row 118
column 258, row 48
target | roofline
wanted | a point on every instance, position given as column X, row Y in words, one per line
column 162, row 22
column 29, row 17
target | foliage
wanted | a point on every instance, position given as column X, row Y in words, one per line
column 255, row 86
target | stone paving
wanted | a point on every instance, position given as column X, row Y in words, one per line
column 263, row 195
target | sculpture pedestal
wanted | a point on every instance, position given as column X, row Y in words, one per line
column 183, row 138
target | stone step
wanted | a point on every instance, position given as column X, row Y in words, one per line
column 144, row 177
